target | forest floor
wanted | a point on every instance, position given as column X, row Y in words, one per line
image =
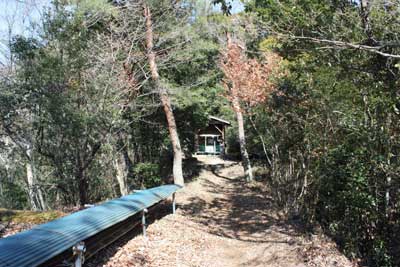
column 223, row 221
column 15, row 221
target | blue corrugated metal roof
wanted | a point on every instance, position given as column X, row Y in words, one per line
column 36, row 246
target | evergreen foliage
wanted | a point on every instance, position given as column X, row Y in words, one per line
column 81, row 120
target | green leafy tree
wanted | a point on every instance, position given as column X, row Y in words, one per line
column 331, row 129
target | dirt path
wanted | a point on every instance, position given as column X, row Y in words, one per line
column 223, row 205
column 222, row 221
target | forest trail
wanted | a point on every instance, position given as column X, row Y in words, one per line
column 223, row 221
column 223, row 205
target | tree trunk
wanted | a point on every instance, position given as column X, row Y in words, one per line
column 122, row 174
column 31, row 187
column 83, row 187
column 165, row 100
column 6, row 177
column 34, row 192
column 242, row 141
column 365, row 6
column 262, row 141
column 242, row 138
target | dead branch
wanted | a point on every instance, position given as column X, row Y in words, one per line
column 335, row 44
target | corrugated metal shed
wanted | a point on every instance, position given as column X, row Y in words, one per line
column 36, row 246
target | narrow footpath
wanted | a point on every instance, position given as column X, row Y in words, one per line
column 223, row 221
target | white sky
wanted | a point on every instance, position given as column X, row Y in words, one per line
column 16, row 17
column 237, row 6
column 19, row 16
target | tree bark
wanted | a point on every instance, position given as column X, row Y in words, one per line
column 262, row 141
column 83, row 187
column 364, row 13
column 165, row 100
column 122, row 174
column 241, row 134
column 34, row 192
column 81, row 179
column 31, row 187
column 242, row 141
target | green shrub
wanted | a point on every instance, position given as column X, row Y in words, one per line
column 147, row 174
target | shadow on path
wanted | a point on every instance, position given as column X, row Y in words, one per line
column 235, row 210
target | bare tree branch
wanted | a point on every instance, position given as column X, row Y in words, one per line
column 341, row 44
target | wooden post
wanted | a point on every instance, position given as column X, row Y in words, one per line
column 223, row 150
column 215, row 144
